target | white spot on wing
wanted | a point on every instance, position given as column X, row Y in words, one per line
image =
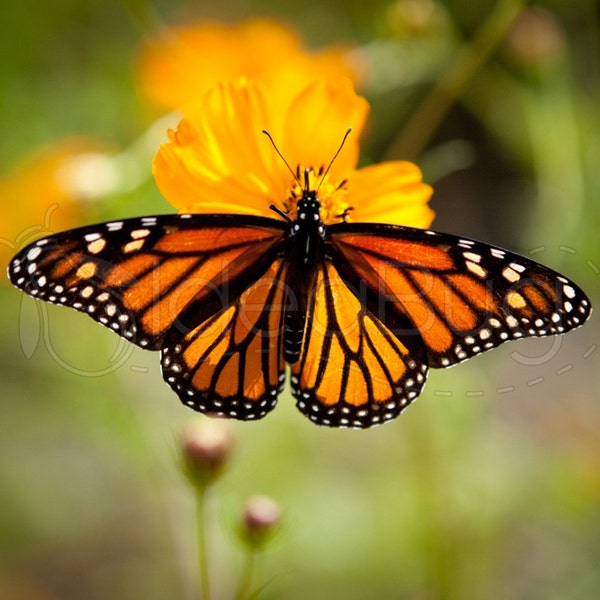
column 34, row 253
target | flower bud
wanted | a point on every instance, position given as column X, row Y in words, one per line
column 536, row 39
column 206, row 445
column 260, row 520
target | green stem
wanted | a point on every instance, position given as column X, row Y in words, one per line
column 247, row 575
column 435, row 512
column 202, row 554
column 431, row 112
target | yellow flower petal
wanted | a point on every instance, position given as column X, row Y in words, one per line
column 225, row 164
column 390, row 192
column 176, row 69
column 318, row 119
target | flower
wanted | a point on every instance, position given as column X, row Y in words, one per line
column 43, row 192
column 224, row 164
column 184, row 62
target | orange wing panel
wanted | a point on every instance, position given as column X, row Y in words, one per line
column 352, row 371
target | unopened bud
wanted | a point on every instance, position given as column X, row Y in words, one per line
column 260, row 520
column 536, row 38
column 206, row 445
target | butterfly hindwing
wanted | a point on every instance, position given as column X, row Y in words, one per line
column 232, row 363
column 454, row 296
column 137, row 276
column 352, row 371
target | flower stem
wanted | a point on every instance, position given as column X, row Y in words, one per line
column 201, row 534
column 247, row 575
column 431, row 112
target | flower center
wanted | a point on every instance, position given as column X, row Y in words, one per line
column 332, row 195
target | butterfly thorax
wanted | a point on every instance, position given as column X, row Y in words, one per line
column 304, row 252
column 306, row 231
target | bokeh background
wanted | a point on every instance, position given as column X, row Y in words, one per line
column 488, row 487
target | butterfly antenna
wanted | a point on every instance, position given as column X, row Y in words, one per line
column 334, row 157
column 285, row 162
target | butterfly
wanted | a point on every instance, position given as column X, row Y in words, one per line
column 359, row 311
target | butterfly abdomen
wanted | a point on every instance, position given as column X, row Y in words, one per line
column 293, row 332
column 305, row 252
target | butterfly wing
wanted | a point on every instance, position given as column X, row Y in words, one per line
column 232, row 364
column 138, row 276
column 453, row 297
column 352, row 370
column 390, row 301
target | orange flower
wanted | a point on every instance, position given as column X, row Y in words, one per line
column 178, row 68
column 41, row 194
column 224, row 164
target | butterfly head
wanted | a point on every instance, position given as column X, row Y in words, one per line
column 308, row 205
column 308, row 211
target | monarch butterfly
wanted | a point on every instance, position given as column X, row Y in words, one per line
column 359, row 311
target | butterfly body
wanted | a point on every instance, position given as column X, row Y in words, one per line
column 304, row 251
column 359, row 311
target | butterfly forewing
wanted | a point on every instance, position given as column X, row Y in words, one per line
column 138, row 276
column 453, row 296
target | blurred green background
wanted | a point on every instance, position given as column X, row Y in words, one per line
column 488, row 487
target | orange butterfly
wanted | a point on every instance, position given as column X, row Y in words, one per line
column 359, row 311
